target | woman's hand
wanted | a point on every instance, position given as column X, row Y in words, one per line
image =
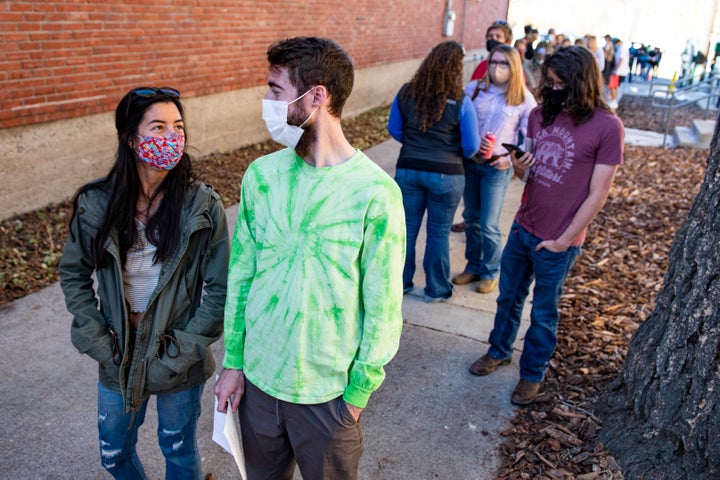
column 502, row 163
column 486, row 147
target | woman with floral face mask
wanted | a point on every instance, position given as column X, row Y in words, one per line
column 154, row 238
column 503, row 105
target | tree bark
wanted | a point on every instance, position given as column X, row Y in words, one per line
column 661, row 416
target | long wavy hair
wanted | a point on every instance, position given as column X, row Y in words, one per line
column 515, row 93
column 438, row 79
column 123, row 180
column 577, row 68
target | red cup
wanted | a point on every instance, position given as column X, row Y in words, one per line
column 491, row 138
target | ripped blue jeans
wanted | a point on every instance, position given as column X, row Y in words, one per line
column 178, row 414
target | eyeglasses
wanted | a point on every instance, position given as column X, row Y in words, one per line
column 149, row 92
column 554, row 85
column 501, row 22
column 499, row 64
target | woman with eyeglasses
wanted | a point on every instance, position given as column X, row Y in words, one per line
column 156, row 241
column 436, row 124
column 502, row 104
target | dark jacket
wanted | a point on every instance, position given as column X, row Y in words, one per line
column 149, row 362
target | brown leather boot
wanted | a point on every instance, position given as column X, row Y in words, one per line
column 464, row 278
column 458, row 227
column 486, row 364
column 487, row 285
column 525, row 392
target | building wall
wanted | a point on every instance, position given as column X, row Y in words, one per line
column 64, row 65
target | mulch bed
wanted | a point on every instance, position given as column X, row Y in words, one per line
column 609, row 293
column 611, row 290
column 636, row 112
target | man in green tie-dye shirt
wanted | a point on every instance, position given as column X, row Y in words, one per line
column 313, row 310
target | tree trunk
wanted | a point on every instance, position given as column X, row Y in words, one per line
column 661, row 417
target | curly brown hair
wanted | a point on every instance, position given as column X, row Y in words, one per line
column 439, row 78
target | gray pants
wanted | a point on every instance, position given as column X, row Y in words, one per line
column 323, row 439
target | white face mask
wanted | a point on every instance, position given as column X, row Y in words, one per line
column 275, row 114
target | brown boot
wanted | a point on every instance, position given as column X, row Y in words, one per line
column 458, row 227
column 486, row 364
column 464, row 278
column 487, row 285
column 525, row 392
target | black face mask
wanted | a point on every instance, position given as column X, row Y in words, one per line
column 490, row 44
column 554, row 98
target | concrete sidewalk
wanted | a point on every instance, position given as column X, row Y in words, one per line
column 431, row 418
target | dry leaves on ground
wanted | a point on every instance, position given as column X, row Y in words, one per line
column 636, row 112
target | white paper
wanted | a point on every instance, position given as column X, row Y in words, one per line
column 226, row 433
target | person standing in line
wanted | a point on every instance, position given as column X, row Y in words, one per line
column 313, row 309
column 503, row 105
column 622, row 70
column 577, row 148
column 531, row 36
column 499, row 33
column 533, row 68
column 437, row 126
column 154, row 238
column 597, row 51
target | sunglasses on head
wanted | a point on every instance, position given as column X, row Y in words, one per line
column 149, row 92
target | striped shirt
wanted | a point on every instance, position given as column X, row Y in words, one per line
column 141, row 275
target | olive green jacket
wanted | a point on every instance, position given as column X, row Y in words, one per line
column 171, row 350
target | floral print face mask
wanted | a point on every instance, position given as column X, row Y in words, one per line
column 161, row 153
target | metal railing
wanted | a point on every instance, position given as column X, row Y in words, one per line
column 685, row 91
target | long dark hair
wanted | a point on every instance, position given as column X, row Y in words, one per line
column 577, row 67
column 438, row 79
column 123, row 180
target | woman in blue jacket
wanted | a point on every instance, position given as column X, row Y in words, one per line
column 435, row 122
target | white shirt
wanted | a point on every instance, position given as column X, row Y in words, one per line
column 622, row 68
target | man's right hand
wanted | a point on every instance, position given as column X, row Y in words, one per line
column 230, row 383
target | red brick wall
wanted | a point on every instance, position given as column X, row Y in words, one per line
column 63, row 59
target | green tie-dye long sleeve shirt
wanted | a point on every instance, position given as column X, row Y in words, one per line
column 315, row 279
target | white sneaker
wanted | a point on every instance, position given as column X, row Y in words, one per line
column 613, row 104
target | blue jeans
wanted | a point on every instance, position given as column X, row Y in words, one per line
column 439, row 194
column 485, row 189
column 178, row 414
column 520, row 264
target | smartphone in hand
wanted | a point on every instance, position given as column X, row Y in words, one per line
column 519, row 152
